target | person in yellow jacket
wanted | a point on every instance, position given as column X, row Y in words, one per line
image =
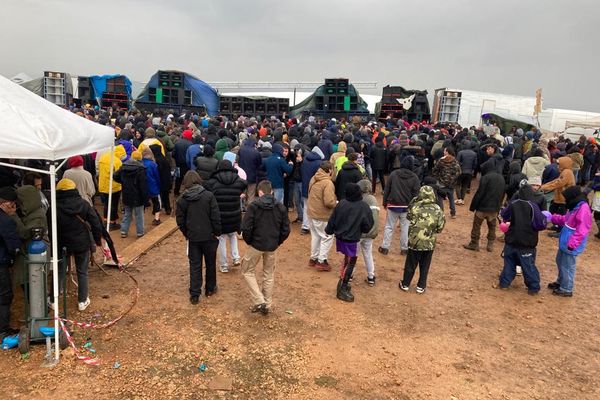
column 150, row 139
column 104, row 182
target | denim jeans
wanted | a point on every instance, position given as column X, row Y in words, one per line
column 526, row 259
column 566, row 270
column 82, row 261
column 390, row 223
column 366, row 248
column 235, row 254
column 278, row 194
column 450, row 194
column 296, row 195
column 138, row 213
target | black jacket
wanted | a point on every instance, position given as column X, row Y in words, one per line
column 490, row 193
column 467, row 159
column 205, row 166
column 227, row 187
column 401, row 187
column 9, row 239
column 348, row 174
column 197, row 215
column 73, row 233
column 164, row 169
column 266, row 225
column 351, row 218
column 525, row 218
column 180, row 151
column 378, row 156
column 132, row 175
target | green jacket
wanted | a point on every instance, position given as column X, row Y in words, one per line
column 166, row 139
column 221, row 148
column 426, row 220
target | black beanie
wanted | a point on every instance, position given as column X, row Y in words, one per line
column 407, row 162
column 353, row 192
column 573, row 196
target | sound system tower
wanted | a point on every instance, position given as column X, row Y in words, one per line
column 389, row 105
column 251, row 107
column 170, row 94
column 337, row 100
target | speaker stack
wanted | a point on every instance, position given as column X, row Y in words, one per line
column 389, row 105
column 252, row 107
column 170, row 94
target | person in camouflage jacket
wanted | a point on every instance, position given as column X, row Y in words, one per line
column 426, row 221
column 447, row 170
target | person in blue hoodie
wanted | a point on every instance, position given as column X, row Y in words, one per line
column 153, row 182
column 193, row 151
column 276, row 167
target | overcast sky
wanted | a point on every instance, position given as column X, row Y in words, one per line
column 508, row 46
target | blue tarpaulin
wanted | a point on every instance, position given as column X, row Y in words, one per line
column 98, row 84
column 202, row 93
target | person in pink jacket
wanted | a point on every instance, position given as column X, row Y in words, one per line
column 573, row 238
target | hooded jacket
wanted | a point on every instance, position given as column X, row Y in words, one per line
column 73, row 232
column 351, row 218
column 309, row 168
column 180, row 152
column 221, row 148
column 534, row 166
column 132, row 176
column 371, row 201
column 104, row 170
column 350, row 173
column 197, row 215
column 576, row 227
column 526, row 220
column 152, row 177
column 426, row 220
column 467, row 159
column 515, row 176
column 400, row 188
column 250, row 159
column 226, row 185
column 321, row 196
column 205, row 166
column 83, row 181
column 564, row 180
column 447, row 170
column 166, row 139
column 275, row 166
column 490, row 192
column 379, row 158
column 265, row 225
column 341, row 152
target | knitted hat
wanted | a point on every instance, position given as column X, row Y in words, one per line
column 187, row 134
column 75, row 161
column 8, row 193
column 65, row 184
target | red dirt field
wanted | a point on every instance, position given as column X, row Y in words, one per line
column 463, row 339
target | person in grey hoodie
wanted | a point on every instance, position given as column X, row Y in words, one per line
column 534, row 165
column 366, row 240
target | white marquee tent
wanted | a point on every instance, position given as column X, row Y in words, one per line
column 33, row 128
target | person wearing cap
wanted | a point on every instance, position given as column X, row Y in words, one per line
column 9, row 245
column 77, row 225
column 82, row 178
column 576, row 225
column 350, row 219
column 132, row 175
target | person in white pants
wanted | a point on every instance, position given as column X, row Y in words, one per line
column 391, row 220
column 366, row 241
column 235, row 254
column 320, row 204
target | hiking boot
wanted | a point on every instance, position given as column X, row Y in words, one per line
column 194, row 300
column 312, row 262
column 211, row 292
column 554, row 285
column 383, row 250
column 403, row 287
column 490, row 246
column 259, row 308
column 345, row 294
column 562, row 293
column 371, row 281
column 471, row 246
column 323, row 266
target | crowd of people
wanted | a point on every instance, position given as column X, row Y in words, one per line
column 229, row 177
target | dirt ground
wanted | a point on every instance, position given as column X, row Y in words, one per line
column 462, row 339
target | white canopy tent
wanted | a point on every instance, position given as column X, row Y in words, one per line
column 593, row 123
column 33, row 128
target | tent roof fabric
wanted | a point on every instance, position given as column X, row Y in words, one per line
column 593, row 123
column 34, row 128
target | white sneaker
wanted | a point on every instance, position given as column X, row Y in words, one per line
column 224, row 269
column 237, row 262
column 84, row 305
column 519, row 270
column 420, row 290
